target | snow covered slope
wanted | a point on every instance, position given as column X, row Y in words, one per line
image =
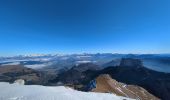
column 37, row 92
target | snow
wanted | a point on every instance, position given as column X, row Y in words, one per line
column 119, row 89
column 37, row 92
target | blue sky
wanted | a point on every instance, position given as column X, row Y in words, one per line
column 76, row 26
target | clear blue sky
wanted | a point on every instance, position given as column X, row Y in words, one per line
column 75, row 26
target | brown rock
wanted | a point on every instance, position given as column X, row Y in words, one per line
column 108, row 85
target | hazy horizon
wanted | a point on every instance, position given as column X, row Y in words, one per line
column 83, row 53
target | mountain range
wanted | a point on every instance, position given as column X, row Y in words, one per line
column 130, row 71
column 91, row 73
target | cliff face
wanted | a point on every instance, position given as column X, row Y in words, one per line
column 129, row 62
column 9, row 73
column 105, row 84
column 76, row 74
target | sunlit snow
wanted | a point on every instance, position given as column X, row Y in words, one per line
column 37, row 92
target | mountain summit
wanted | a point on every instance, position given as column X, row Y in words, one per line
column 105, row 84
column 131, row 62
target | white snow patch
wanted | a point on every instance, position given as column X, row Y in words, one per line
column 124, row 86
column 37, row 92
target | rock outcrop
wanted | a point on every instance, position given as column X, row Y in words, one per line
column 130, row 62
column 105, row 84
column 10, row 73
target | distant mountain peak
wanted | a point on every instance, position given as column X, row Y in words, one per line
column 131, row 62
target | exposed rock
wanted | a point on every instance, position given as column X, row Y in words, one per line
column 86, row 66
column 157, row 83
column 130, row 62
column 10, row 73
column 115, row 62
column 105, row 84
column 76, row 74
